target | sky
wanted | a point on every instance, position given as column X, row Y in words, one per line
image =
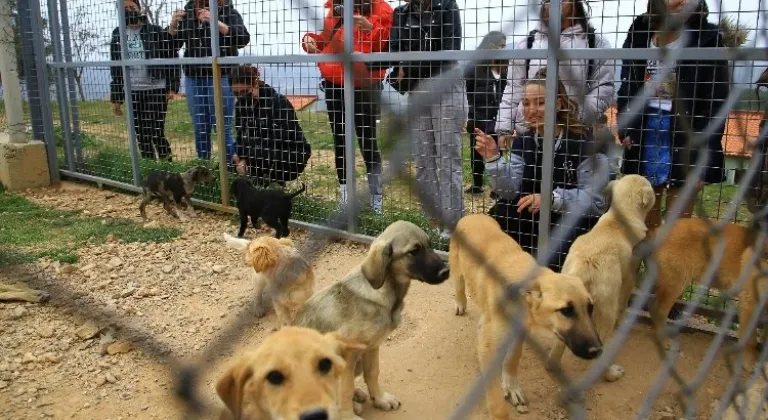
column 280, row 24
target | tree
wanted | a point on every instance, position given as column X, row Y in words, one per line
column 153, row 8
column 84, row 42
column 735, row 34
column 47, row 45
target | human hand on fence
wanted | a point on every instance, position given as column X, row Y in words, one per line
column 485, row 145
column 176, row 17
column 531, row 202
column 505, row 140
column 310, row 45
column 400, row 74
column 204, row 15
column 117, row 110
column 626, row 142
column 362, row 23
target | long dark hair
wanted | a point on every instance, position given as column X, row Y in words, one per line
column 657, row 11
column 582, row 13
column 364, row 7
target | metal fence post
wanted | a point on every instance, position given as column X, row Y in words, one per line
column 132, row 147
column 349, row 117
column 218, row 102
column 61, row 93
column 73, row 108
column 550, row 125
column 44, row 88
column 31, row 72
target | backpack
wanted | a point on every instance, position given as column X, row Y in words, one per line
column 591, row 42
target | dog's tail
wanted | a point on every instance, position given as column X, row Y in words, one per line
column 236, row 243
column 301, row 190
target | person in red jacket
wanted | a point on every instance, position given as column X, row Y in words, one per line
column 372, row 22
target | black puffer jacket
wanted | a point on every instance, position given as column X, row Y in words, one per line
column 435, row 29
column 484, row 96
column 703, row 87
column 194, row 36
column 157, row 44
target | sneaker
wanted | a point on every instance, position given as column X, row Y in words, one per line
column 343, row 193
column 377, row 203
column 445, row 234
column 474, row 189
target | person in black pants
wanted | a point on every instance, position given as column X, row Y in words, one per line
column 579, row 175
column 150, row 85
column 270, row 145
column 485, row 86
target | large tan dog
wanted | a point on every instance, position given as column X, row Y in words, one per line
column 366, row 306
column 602, row 258
column 295, row 374
column 281, row 273
column 556, row 302
column 684, row 257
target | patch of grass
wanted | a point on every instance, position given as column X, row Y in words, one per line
column 29, row 231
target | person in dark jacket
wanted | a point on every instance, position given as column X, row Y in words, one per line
column 433, row 25
column 485, row 86
column 192, row 28
column 578, row 178
column 150, row 85
column 270, row 146
column 657, row 143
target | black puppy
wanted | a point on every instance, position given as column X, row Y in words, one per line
column 171, row 188
column 273, row 206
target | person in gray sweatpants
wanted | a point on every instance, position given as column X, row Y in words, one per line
column 436, row 139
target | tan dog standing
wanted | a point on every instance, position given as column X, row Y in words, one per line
column 683, row 258
column 602, row 258
column 280, row 271
column 295, row 374
column 556, row 302
column 366, row 306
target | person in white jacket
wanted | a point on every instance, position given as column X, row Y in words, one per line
column 588, row 82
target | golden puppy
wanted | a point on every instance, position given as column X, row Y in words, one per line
column 295, row 374
column 684, row 257
column 556, row 302
column 602, row 258
column 281, row 272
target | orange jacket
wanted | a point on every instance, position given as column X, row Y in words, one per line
column 375, row 40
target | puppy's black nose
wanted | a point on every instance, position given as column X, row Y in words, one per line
column 594, row 352
column 444, row 273
column 316, row 414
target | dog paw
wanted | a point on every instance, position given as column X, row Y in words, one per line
column 552, row 365
column 360, row 396
column 513, row 393
column 461, row 309
column 614, row 373
column 386, row 402
column 358, row 407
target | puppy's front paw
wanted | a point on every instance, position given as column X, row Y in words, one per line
column 360, row 396
column 614, row 373
column 461, row 308
column 513, row 393
column 386, row 402
column 552, row 365
column 358, row 407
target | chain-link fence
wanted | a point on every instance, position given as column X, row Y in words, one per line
column 121, row 88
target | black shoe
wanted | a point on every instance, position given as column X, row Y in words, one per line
column 475, row 189
column 494, row 196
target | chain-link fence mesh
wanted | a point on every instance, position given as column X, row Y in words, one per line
column 134, row 86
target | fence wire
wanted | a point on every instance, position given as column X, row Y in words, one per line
column 417, row 155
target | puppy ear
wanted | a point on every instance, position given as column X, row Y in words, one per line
column 348, row 350
column 377, row 262
column 533, row 295
column 648, row 198
column 261, row 257
column 230, row 387
column 608, row 193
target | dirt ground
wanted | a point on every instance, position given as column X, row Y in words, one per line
column 184, row 293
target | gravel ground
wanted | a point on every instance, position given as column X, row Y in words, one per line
column 84, row 354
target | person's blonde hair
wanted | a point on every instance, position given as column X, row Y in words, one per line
column 568, row 117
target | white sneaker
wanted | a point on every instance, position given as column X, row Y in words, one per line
column 343, row 193
column 445, row 234
column 377, row 203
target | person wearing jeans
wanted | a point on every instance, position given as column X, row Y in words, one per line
column 372, row 21
column 433, row 25
column 192, row 28
column 150, row 85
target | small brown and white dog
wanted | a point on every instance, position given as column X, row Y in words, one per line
column 281, row 273
column 295, row 374
column 684, row 257
column 602, row 258
column 559, row 303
